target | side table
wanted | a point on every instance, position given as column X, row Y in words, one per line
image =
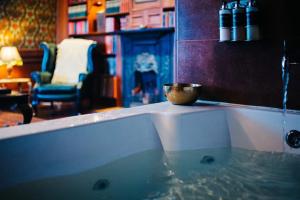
column 18, row 81
column 22, row 103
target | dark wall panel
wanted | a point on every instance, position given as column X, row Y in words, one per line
column 240, row 72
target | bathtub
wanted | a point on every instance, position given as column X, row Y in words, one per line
column 74, row 144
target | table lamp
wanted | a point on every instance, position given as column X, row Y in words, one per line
column 10, row 57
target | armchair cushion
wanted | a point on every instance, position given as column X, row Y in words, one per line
column 52, row 57
column 56, row 97
column 49, row 57
column 70, row 63
column 45, row 77
column 56, row 89
column 41, row 77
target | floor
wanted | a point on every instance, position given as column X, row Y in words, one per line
column 46, row 112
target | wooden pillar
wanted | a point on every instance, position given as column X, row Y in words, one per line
column 61, row 20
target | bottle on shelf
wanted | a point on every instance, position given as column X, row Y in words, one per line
column 225, row 22
column 252, row 19
column 238, row 22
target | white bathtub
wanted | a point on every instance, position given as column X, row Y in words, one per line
column 74, row 144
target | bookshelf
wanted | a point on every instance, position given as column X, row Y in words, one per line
column 106, row 21
column 77, row 17
column 95, row 16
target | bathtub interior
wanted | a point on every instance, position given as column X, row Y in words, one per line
column 207, row 129
column 246, row 128
column 73, row 150
column 121, row 176
column 261, row 129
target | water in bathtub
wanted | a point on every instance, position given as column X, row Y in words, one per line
column 211, row 174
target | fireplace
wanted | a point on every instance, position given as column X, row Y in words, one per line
column 147, row 63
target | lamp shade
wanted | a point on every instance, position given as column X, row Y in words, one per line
column 9, row 55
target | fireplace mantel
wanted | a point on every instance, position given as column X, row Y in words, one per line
column 158, row 31
column 158, row 42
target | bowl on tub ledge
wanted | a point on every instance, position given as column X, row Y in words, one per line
column 182, row 93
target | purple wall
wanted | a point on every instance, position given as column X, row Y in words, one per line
column 238, row 72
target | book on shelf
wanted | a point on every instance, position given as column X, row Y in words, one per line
column 79, row 27
column 111, row 44
column 101, row 25
column 172, row 19
column 108, row 40
column 124, row 21
column 112, row 63
column 110, row 24
column 112, row 6
column 124, row 6
column 71, row 28
column 168, row 19
column 77, row 11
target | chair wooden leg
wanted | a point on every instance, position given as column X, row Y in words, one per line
column 35, row 110
column 78, row 106
column 52, row 105
column 35, row 104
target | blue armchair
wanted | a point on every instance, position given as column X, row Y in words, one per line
column 53, row 84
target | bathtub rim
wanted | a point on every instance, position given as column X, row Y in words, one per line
column 163, row 108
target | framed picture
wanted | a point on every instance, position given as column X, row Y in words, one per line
column 143, row 1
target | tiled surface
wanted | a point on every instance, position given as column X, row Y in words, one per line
column 243, row 72
column 198, row 19
column 233, row 72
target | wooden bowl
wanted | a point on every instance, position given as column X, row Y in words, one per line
column 182, row 93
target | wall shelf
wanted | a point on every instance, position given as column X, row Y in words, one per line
column 171, row 8
column 121, row 14
column 77, row 19
column 76, row 4
column 94, row 34
column 127, row 32
column 147, row 30
column 240, row 41
column 110, row 55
